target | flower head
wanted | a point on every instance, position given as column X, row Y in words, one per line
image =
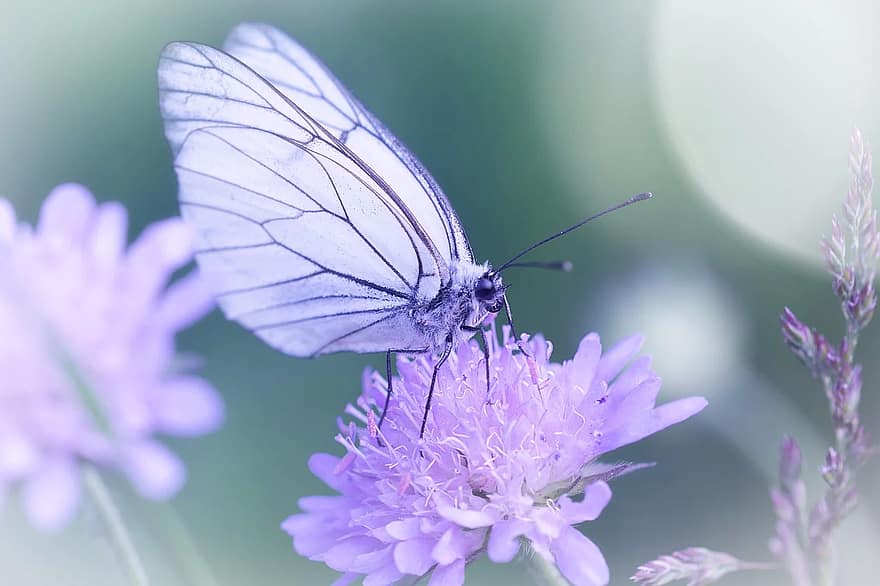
column 87, row 352
column 493, row 472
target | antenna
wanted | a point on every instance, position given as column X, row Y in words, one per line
column 630, row 201
column 560, row 265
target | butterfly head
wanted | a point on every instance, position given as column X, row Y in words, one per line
column 489, row 291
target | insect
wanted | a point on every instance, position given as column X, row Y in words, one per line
column 319, row 230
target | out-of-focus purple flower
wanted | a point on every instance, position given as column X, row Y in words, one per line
column 492, row 473
column 87, row 351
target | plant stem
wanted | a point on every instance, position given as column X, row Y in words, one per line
column 118, row 532
column 546, row 572
column 192, row 562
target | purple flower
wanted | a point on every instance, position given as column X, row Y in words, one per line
column 493, row 472
column 87, row 353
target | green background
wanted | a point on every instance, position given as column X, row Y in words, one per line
column 530, row 115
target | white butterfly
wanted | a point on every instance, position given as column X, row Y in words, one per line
column 320, row 230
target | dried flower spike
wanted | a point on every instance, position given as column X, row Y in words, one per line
column 698, row 565
column 853, row 250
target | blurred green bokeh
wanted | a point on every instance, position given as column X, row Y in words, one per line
column 529, row 115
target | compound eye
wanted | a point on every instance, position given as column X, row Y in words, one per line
column 495, row 307
column 485, row 289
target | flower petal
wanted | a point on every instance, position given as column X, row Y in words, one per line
column 404, row 529
column 312, row 535
column 456, row 544
column 107, row 239
column 341, row 556
column 578, row 558
column 596, row 496
column 374, row 560
column 615, row 359
column 166, row 244
column 66, row 212
column 18, row 455
column 187, row 406
column 504, row 540
column 450, row 575
column 634, row 402
column 320, row 504
column 586, row 359
column 161, row 249
column 52, row 494
column 469, row 519
column 652, row 421
column 635, row 374
column 548, row 522
column 184, row 302
column 153, row 469
column 7, row 221
column 324, row 467
column 383, row 576
column 296, row 523
column 345, row 579
column 414, row 556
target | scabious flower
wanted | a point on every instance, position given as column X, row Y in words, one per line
column 517, row 466
column 87, row 353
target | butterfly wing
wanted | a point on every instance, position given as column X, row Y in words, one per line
column 307, row 82
column 305, row 244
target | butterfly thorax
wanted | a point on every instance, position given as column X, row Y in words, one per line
column 455, row 305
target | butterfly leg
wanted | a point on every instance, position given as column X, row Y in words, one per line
column 390, row 386
column 446, row 352
column 468, row 328
column 513, row 328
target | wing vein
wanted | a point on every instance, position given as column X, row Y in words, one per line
column 324, row 316
column 340, row 274
column 303, row 300
column 230, row 75
column 275, row 172
column 338, row 339
column 239, row 186
column 270, row 285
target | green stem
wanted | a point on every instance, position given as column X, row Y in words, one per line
column 757, row 566
column 87, row 396
column 546, row 572
column 193, row 563
column 116, row 527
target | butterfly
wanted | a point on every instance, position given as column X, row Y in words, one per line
column 320, row 231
